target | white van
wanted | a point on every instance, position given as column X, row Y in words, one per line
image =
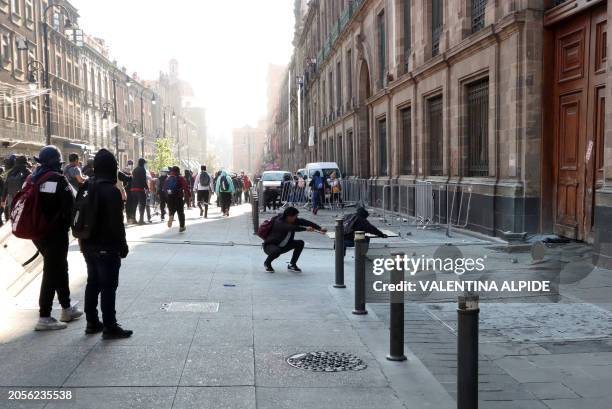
column 324, row 168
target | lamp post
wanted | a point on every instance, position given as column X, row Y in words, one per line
column 178, row 136
column 67, row 25
column 106, row 110
column 133, row 127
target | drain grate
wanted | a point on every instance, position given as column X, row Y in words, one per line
column 326, row 361
column 186, row 306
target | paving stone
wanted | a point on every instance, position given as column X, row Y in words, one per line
column 327, row 398
column 218, row 366
column 236, row 331
column 297, row 333
column 112, row 398
column 550, row 390
column 237, row 397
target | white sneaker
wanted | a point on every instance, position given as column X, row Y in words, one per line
column 71, row 313
column 49, row 324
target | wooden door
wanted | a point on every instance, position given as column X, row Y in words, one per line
column 579, row 102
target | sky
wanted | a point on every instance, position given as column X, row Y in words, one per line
column 223, row 48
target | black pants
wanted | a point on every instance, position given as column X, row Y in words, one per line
column 140, row 199
column 273, row 251
column 54, row 250
column 225, row 199
column 163, row 200
column 247, row 196
column 130, row 205
column 102, row 281
column 176, row 204
column 203, row 199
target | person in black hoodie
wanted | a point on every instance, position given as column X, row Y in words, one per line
column 139, row 189
column 56, row 202
column 104, row 249
column 280, row 239
column 358, row 221
column 14, row 181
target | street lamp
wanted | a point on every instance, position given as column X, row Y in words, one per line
column 68, row 27
column 34, row 69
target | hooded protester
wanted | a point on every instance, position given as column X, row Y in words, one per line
column 139, row 189
column 317, row 189
column 224, row 188
column 280, row 240
column 56, row 202
column 358, row 221
column 88, row 169
column 8, row 164
column 104, row 249
column 15, row 178
column 178, row 192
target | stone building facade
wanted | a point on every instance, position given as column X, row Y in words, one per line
column 248, row 148
column 94, row 102
column 462, row 92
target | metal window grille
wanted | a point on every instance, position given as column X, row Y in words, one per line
column 436, row 141
column 406, row 123
column 407, row 34
column 436, row 26
column 382, row 49
column 478, row 14
column 382, row 147
column 478, row 128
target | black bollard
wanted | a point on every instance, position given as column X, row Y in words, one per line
column 396, row 319
column 255, row 213
column 467, row 352
column 339, row 253
column 361, row 249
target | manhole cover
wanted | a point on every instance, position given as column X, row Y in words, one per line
column 186, row 306
column 325, row 361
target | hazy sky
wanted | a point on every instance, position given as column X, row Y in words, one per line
column 223, row 47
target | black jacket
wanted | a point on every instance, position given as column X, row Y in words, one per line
column 56, row 201
column 109, row 232
column 139, row 178
column 358, row 222
column 281, row 228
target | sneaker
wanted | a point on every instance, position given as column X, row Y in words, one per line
column 116, row 332
column 268, row 268
column 294, row 268
column 94, row 327
column 182, row 229
column 49, row 324
column 170, row 220
column 70, row 313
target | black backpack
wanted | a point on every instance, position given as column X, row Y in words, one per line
column 224, row 184
column 204, row 179
column 84, row 211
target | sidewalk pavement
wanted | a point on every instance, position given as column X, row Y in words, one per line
column 187, row 354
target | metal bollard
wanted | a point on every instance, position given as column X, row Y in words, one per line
column 255, row 213
column 396, row 320
column 361, row 249
column 339, row 253
column 467, row 352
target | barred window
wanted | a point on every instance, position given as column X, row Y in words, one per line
column 349, row 153
column 436, row 26
column 407, row 33
column 436, row 138
column 339, row 87
column 478, row 128
column 478, row 14
column 382, row 49
column 382, row 147
column 406, row 127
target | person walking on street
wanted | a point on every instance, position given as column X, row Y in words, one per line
column 139, row 189
column 15, row 178
column 203, row 186
column 161, row 193
column 56, row 200
column 104, row 248
column 246, row 185
column 281, row 240
column 224, row 189
column 317, row 188
column 336, row 189
column 178, row 192
column 73, row 173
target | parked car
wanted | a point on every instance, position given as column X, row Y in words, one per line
column 301, row 172
column 270, row 188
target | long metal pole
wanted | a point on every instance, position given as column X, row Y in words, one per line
column 467, row 351
column 46, row 77
column 178, row 138
column 142, row 135
column 116, row 115
column 361, row 249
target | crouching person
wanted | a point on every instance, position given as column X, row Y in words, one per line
column 280, row 239
column 104, row 248
column 358, row 221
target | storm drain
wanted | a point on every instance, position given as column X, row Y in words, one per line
column 188, row 306
column 326, row 361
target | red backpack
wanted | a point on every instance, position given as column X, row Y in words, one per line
column 264, row 229
column 27, row 218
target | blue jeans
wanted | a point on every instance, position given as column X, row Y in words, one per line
column 315, row 199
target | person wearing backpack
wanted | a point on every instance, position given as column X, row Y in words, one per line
column 224, row 189
column 358, row 221
column 279, row 238
column 15, row 178
column 55, row 201
column 203, row 186
column 317, row 188
column 103, row 248
column 178, row 191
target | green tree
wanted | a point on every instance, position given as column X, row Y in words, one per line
column 164, row 154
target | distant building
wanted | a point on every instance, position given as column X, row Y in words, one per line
column 248, row 146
